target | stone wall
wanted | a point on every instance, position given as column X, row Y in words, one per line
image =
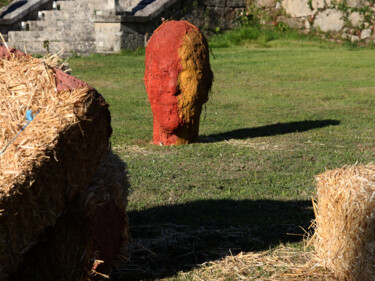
column 339, row 19
column 59, row 29
column 11, row 18
column 352, row 20
column 214, row 15
column 130, row 31
column 111, row 25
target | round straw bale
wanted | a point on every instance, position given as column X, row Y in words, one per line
column 45, row 161
column 90, row 236
column 178, row 79
column 344, row 236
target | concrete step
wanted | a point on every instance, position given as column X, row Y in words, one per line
column 42, row 25
column 72, row 5
column 55, row 15
column 63, row 35
column 70, row 26
column 42, row 47
column 59, row 25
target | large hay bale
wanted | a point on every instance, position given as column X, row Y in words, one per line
column 344, row 236
column 178, row 79
column 43, row 165
column 90, row 236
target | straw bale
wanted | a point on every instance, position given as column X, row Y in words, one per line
column 92, row 229
column 51, row 159
column 284, row 263
column 344, row 236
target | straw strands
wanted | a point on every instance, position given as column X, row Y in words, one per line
column 44, row 165
column 344, row 237
column 284, row 263
column 29, row 84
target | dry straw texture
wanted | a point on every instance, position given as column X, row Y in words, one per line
column 51, row 159
column 344, row 236
column 80, row 239
column 283, row 263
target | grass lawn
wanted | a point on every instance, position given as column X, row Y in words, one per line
column 282, row 110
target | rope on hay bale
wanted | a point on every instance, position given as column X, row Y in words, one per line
column 344, row 237
column 91, row 235
column 53, row 158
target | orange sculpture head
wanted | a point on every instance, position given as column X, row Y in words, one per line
column 178, row 79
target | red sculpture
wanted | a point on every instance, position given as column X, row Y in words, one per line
column 178, row 79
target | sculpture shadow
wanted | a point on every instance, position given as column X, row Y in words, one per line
column 269, row 130
column 169, row 239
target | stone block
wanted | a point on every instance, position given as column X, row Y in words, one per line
column 196, row 17
column 356, row 19
column 216, row 17
column 297, row 8
column 265, row 3
column 213, row 3
column 237, row 3
column 329, row 20
column 107, row 27
column 132, row 41
column 366, row 33
column 296, row 23
column 355, row 3
column 317, row 4
column 108, row 37
column 354, row 38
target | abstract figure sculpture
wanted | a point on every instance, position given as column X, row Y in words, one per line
column 178, row 79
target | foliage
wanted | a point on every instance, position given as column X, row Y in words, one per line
column 256, row 34
column 281, row 26
column 3, row 3
column 309, row 2
column 250, row 16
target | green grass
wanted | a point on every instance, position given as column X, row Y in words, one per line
column 3, row 3
column 283, row 109
column 256, row 34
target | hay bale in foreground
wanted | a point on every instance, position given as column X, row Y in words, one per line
column 344, row 236
column 51, row 159
column 90, row 236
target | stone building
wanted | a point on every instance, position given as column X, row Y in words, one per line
column 97, row 26
column 107, row 26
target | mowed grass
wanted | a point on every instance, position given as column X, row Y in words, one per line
column 282, row 110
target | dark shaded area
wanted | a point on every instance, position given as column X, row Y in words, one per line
column 12, row 8
column 270, row 130
column 141, row 5
column 169, row 239
column 89, row 228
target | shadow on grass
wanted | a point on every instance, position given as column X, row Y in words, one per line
column 169, row 239
column 270, row 130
